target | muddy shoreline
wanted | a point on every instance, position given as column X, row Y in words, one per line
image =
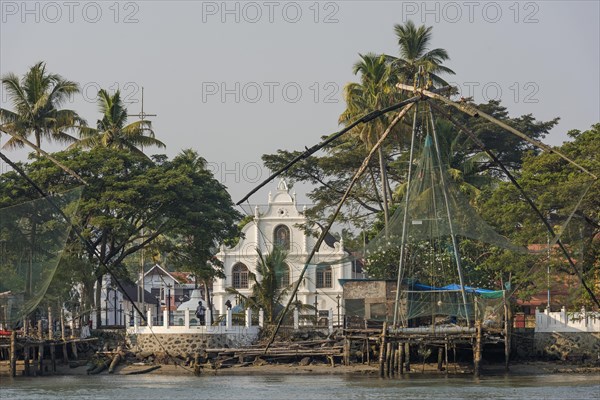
column 518, row 368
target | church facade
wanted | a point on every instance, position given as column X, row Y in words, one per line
column 279, row 224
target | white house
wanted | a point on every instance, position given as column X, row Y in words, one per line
column 279, row 224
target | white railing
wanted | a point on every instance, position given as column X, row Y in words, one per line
column 564, row 321
column 186, row 322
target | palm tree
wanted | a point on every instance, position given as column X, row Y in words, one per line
column 414, row 53
column 112, row 130
column 374, row 92
column 267, row 291
column 37, row 98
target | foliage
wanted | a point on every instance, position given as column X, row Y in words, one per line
column 37, row 98
column 112, row 131
column 267, row 291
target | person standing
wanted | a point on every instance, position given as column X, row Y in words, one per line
column 201, row 313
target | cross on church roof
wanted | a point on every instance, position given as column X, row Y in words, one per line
column 142, row 115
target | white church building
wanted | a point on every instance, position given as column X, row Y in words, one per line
column 279, row 223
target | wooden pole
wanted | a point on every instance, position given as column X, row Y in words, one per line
column 13, row 353
column 446, row 354
column 477, row 350
column 401, row 358
column 62, row 336
column 367, row 344
column 407, row 356
column 440, row 358
column 347, row 345
column 454, row 355
column 507, row 330
column 388, row 358
column 26, row 359
column 382, row 350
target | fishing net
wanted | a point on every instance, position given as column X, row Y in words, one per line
column 33, row 236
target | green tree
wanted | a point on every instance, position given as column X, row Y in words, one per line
column 37, row 98
column 129, row 202
column 112, row 130
column 374, row 92
column 556, row 187
column 267, row 291
column 414, row 50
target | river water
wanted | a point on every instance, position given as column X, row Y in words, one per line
column 305, row 387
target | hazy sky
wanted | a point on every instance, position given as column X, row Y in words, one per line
column 234, row 80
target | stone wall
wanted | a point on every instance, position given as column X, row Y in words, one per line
column 185, row 343
column 568, row 346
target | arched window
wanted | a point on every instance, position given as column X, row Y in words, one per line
column 239, row 278
column 281, row 237
column 324, row 278
column 283, row 276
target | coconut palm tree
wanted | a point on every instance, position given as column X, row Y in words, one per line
column 267, row 291
column 112, row 130
column 375, row 91
column 414, row 53
column 37, row 98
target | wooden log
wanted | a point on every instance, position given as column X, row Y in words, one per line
column 13, row 354
column 99, row 368
column 143, row 371
column 115, row 361
column 440, row 358
column 347, row 346
column 382, row 345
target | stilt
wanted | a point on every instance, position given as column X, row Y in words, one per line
column 347, row 345
column 62, row 336
column 53, row 356
column 74, row 349
column 41, row 358
column 507, row 330
column 454, row 354
column 367, row 345
column 388, row 359
column 446, row 354
column 407, row 356
column 440, row 358
column 13, row 354
column 477, row 350
column 26, row 370
column 402, row 358
column 382, row 345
